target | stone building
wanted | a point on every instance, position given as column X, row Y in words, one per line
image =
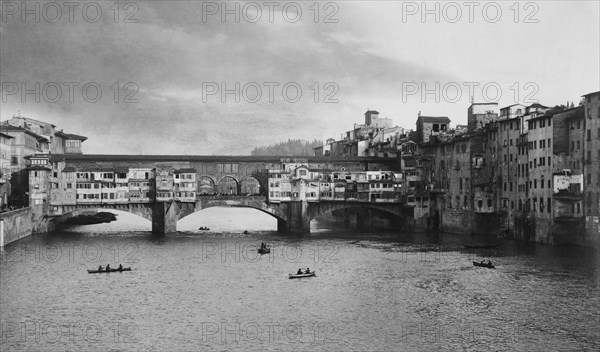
column 429, row 126
column 480, row 114
column 32, row 137
column 591, row 167
column 5, row 168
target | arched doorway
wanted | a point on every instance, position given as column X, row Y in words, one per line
column 206, row 186
column 250, row 186
column 227, row 185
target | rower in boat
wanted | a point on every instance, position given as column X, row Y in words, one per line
column 107, row 267
column 307, row 271
column 299, row 272
column 120, row 267
column 100, row 268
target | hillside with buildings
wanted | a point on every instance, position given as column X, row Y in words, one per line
column 530, row 172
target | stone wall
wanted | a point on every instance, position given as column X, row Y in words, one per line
column 456, row 221
column 21, row 223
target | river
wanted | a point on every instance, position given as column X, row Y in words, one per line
column 210, row 290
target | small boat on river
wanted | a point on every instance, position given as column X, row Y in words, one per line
column 264, row 250
column 202, row 228
column 108, row 271
column 485, row 265
column 298, row 276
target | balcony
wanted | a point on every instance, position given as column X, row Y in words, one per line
column 568, row 196
column 569, row 219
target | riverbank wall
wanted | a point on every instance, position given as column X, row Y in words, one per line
column 21, row 223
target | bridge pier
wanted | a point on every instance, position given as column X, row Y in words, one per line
column 164, row 217
column 298, row 219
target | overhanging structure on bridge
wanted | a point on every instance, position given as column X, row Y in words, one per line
column 166, row 188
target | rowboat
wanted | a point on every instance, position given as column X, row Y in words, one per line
column 485, row 265
column 108, row 271
column 298, row 276
column 264, row 250
column 480, row 245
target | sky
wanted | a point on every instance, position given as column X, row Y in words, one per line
column 213, row 78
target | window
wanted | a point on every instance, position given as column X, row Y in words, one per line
column 71, row 143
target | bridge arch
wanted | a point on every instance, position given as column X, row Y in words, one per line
column 250, row 184
column 206, row 184
column 366, row 216
column 228, row 184
column 318, row 209
column 255, row 202
column 68, row 212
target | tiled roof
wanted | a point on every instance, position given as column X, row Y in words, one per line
column 69, row 136
column 185, row 171
column 38, row 167
column 593, row 93
column 10, row 128
column 434, row 119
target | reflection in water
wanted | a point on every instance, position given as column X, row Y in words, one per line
column 211, row 290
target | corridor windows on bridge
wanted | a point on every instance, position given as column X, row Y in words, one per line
column 227, row 168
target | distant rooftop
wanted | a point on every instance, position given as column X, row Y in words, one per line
column 434, row 118
column 594, row 93
column 70, row 136
column 33, row 120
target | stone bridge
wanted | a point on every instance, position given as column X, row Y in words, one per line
column 292, row 216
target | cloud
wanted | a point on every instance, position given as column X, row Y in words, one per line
column 164, row 61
